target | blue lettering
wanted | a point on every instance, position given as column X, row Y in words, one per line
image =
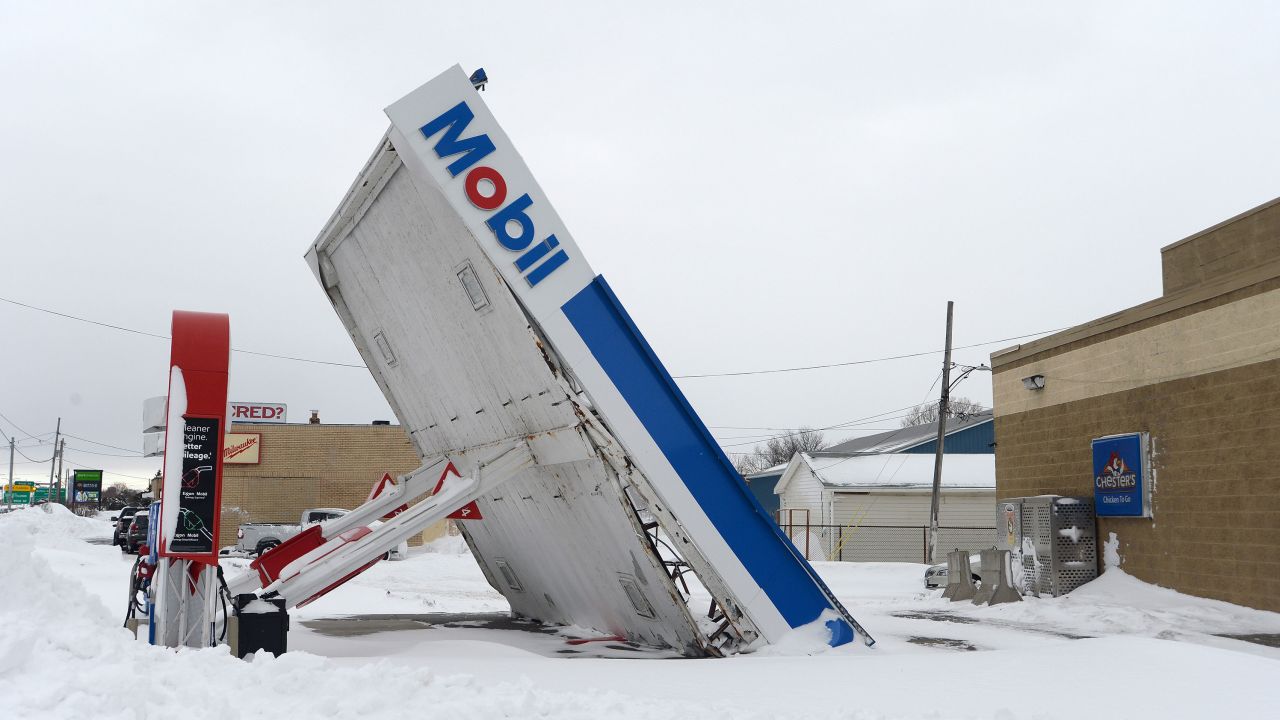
column 543, row 258
column 536, row 253
column 453, row 121
column 513, row 212
column 542, row 271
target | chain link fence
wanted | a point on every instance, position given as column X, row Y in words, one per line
column 882, row 543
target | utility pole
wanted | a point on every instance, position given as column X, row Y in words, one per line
column 942, row 433
column 61, row 449
column 56, row 435
column 10, row 474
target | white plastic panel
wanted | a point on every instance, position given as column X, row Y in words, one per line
column 440, row 268
column 461, row 377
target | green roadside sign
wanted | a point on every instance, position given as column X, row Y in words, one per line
column 22, row 493
column 86, row 487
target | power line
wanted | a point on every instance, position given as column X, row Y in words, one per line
column 166, row 337
column 298, row 359
column 794, row 431
column 897, row 432
column 18, row 428
column 109, row 472
column 877, row 418
column 107, row 454
column 861, row 362
column 81, row 466
column 96, row 442
column 39, row 443
column 870, row 418
column 768, row 371
column 28, row 457
column 747, row 427
column 84, row 320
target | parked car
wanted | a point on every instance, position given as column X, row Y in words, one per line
column 122, row 520
column 136, row 536
column 936, row 575
column 399, row 552
column 257, row 538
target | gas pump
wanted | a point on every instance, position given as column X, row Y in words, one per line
column 185, row 586
column 138, row 612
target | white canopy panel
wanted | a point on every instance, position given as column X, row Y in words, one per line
column 482, row 322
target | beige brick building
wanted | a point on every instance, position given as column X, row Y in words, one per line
column 311, row 465
column 1199, row 370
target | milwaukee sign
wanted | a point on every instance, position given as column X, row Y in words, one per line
column 242, row 448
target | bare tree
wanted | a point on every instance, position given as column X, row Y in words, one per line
column 119, row 495
column 748, row 463
column 779, row 449
column 927, row 414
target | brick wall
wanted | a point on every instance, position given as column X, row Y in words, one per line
column 1244, row 241
column 1216, row 500
column 304, row 466
column 1197, row 339
column 1199, row 370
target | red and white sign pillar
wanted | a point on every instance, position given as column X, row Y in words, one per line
column 186, row 584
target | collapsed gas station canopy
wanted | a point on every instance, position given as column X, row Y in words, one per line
column 484, row 326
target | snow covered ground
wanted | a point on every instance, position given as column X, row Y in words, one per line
column 1116, row 648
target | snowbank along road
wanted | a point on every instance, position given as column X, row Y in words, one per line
column 429, row 636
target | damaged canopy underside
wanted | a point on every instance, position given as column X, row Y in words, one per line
column 484, row 325
column 564, row 544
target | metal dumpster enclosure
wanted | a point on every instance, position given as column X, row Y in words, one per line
column 481, row 321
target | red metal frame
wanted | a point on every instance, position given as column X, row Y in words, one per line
column 201, row 347
column 470, row 511
column 270, row 563
column 382, row 486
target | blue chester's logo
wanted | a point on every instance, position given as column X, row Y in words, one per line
column 1116, row 476
column 487, row 190
column 1120, row 487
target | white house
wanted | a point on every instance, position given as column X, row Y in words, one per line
column 853, row 506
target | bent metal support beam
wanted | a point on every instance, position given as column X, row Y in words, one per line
column 324, row 556
column 480, row 320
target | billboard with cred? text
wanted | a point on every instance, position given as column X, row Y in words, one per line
column 256, row 412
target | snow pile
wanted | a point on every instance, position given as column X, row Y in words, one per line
column 1111, row 552
column 52, row 522
column 1131, row 605
column 447, row 545
column 810, row 639
column 1116, row 603
column 863, row 584
column 64, row 656
column 426, row 582
column 1073, row 533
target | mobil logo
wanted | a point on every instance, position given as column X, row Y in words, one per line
column 485, row 187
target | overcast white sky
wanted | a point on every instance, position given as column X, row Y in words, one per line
column 763, row 187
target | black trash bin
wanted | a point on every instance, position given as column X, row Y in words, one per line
column 263, row 625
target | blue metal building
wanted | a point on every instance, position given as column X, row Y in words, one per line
column 969, row 435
